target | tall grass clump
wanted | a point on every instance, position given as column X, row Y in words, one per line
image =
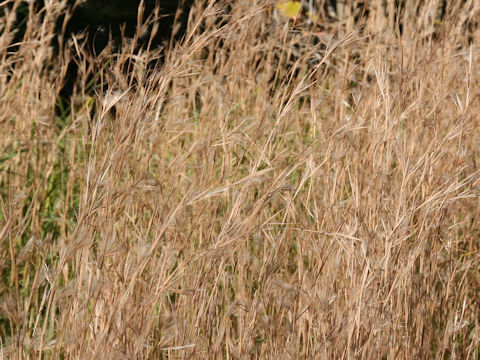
column 267, row 188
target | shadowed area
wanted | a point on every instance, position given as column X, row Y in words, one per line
column 104, row 17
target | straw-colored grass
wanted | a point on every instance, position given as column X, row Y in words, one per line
column 266, row 191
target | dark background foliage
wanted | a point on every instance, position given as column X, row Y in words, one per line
column 104, row 17
column 102, row 20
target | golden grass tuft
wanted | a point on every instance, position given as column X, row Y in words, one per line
column 267, row 191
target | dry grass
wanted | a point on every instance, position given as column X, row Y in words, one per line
column 269, row 192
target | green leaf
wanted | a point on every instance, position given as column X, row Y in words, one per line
column 289, row 8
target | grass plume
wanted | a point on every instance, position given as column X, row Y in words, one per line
column 263, row 189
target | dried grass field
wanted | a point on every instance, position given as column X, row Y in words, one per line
column 266, row 188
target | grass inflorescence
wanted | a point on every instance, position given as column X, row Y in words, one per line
column 266, row 188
